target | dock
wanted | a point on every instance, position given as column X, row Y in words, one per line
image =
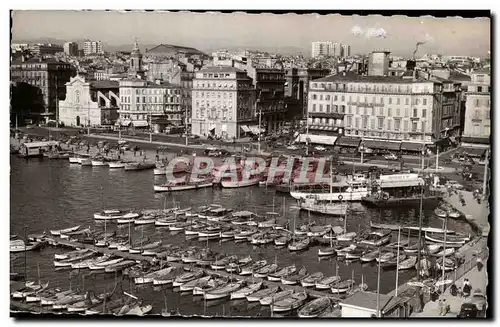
column 55, row 241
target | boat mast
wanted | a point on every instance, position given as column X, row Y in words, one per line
column 331, row 179
column 444, row 245
column 378, row 285
column 397, row 262
column 420, row 231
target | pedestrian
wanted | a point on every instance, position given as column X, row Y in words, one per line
column 467, row 288
column 157, row 156
column 135, row 151
column 441, row 307
column 479, row 264
column 157, row 151
column 141, row 153
column 118, row 156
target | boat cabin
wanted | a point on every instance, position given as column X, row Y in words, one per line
column 36, row 149
column 112, row 212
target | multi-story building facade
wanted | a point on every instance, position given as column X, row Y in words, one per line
column 346, row 51
column 330, row 49
column 92, row 48
column 386, row 112
column 146, row 104
column 297, row 87
column 477, row 127
column 48, row 75
column 270, row 91
column 187, row 78
column 46, row 49
column 93, row 103
column 378, row 63
column 70, row 48
column 223, row 103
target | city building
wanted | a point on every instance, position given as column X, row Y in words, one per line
column 46, row 49
column 187, row 78
column 136, row 68
column 385, row 112
column 92, row 48
column 477, row 129
column 144, row 104
column 93, row 103
column 378, row 63
column 47, row 76
column 269, row 86
column 370, row 304
column 296, row 89
column 223, row 103
column 71, row 48
column 346, row 51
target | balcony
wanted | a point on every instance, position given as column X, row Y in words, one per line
column 334, row 115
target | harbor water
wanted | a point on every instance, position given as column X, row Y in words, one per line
column 52, row 194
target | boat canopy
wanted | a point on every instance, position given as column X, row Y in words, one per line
column 40, row 144
column 401, row 183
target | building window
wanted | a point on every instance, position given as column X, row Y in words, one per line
column 342, row 109
column 320, row 108
column 389, row 125
column 407, row 112
column 478, row 103
column 357, row 122
column 477, row 114
column 327, row 97
column 417, row 101
column 372, row 125
column 415, row 112
column 328, row 108
column 365, row 110
column 343, row 98
column 349, row 109
column 397, row 99
column 424, row 113
column 380, row 123
column 365, row 122
column 138, row 99
column 374, row 100
column 349, row 121
column 321, row 96
column 407, row 101
column 424, row 102
column 423, row 127
column 315, row 85
column 314, row 107
column 405, row 124
column 314, row 96
column 414, row 126
column 382, row 100
column 397, row 124
column 357, row 110
column 389, row 112
column 373, row 111
column 366, row 100
column 390, row 100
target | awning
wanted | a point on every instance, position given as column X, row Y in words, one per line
column 408, row 146
column 348, row 141
column 480, row 140
column 126, row 122
column 316, row 139
column 409, row 183
column 473, row 152
column 386, row 145
column 245, row 128
column 140, row 123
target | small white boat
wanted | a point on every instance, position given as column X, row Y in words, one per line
column 327, row 282
column 187, row 277
column 74, row 160
column 223, row 291
column 377, row 238
column 311, row 280
column 104, row 264
column 248, row 270
column 99, row 162
column 291, row 302
column 21, row 246
column 264, row 271
column 314, row 308
column 67, row 255
column 346, row 237
column 193, row 184
column 408, row 263
column 113, row 214
column 299, row 245
column 370, row 256
column 254, row 297
column 326, row 251
column 245, row 291
column 294, row 278
column 116, row 164
column 318, row 231
column 275, row 297
column 449, row 264
column 64, row 231
column 243, row 183
column 144, row 221
column 189, row 286
column 446, row 252
column 86, row 162
column 276, row 276
column 342, row 286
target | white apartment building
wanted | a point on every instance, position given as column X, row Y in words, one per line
column 328, row 48
column 92, row 47
column 385, row 112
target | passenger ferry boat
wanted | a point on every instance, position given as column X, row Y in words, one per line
column 313, row 205
column 399, row 189
column 191, row 184
column 113, row 214
column 354, row 189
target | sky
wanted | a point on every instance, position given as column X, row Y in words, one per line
column 398, row 34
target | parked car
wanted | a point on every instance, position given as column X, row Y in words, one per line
column 391, row 156
column 479, row 299
column 320, row 148
column 454, row 184
column 468, row 310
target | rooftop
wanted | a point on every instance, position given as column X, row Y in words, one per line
column 456, row 76
column 221, row 69
column 104, row 84
column 353, row 77
column 368, row 300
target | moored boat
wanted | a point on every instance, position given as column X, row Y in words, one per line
column 310, row 281
column 264, row 271
column 223, row 291
column 314, row 308
column 113, row 214
column 342, row 286
column 299, row 245
column 245, row 291
column 294, row 301
column 58, row 232
column 326, row 283
column 273, row 298
column 408, row 263
column 248, row 270
column 276, row 276
column 254, row 297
